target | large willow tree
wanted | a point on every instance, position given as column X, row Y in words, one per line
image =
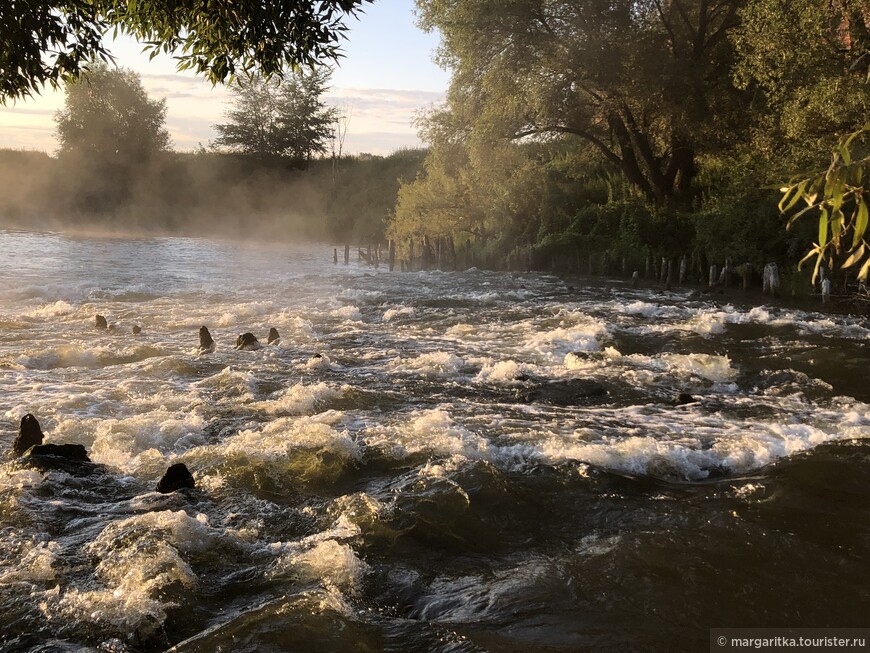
column 646, row 82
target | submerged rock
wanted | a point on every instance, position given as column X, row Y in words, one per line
column 683, row 398
column 29, row 435
column 247, row 342
column 273, row 338
column 563, row 393
column 136, row 329
column 176, row 478
column 100, row 322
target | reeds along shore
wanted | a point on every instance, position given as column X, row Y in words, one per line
column 694, row 271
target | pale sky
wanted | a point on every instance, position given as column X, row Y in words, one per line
column 386, row 77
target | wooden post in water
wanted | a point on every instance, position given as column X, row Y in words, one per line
column 747, row 275
column 346, row 254
column 725, row 276
column 684, row 267
column 634, row 278
column 714, row 277
column 826, row 291
column 770, row 279
column 377, row 252
column 335, row 256
column 392, row 254
column 664, row 270
column 425, row 252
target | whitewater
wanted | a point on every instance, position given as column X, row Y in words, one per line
column 427, row 461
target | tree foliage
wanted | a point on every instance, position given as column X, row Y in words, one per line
column 279, row 118
column 51, row 42
column 840, row 196
column 806, row 63
column 108, row 116
column 637, row 80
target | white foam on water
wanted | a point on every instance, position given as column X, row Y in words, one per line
column 334, row 565
column 348, row 313
column 248, row 314
column 682, row 445
column 360, row 295
column 403, row 311
column 501, row 372
column 575, row 361
column 432, row 365
column 431, row 431
column 287, row 449
column 301, row 399
column 57, row 309
column 644, row 309
column 319, row 363
column 231, row 383
column 25, row 560
column 554, row 344
column 140, row 559
column 121, row 443
column 650, row 370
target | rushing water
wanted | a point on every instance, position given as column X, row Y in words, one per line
column 430, row 483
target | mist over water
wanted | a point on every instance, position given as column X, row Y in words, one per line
column 434, row 480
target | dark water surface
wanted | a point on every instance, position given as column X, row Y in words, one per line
column 478, row 461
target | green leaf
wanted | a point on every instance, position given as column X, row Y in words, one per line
column 861, row 215
column 813, row 252
column 823, row 229
column 855, row 257
column 797, row 192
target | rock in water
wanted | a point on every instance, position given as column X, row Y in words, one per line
column 247, row 342
column 683, row 398
column 68, row 451
column 563, row 393
column 175, row 478
column 206, row 344
column 274, row 338
column 136, row 329
column 100, row 322
column 29, row 434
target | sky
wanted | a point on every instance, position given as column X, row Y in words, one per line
column 385, row 79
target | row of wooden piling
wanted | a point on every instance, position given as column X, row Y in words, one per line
column 428, row 254
column 441, row 254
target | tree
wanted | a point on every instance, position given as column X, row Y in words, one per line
column 51, row 42
column 806, row 64
column 645, row 82
column 279, row 118
column 108, row 116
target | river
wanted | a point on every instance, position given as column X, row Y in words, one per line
column 476, row 461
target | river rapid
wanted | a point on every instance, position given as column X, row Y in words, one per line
column 440, row 479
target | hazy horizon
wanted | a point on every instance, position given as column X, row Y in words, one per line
column 382, row 91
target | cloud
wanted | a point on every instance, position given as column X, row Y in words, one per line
column 381, row 119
